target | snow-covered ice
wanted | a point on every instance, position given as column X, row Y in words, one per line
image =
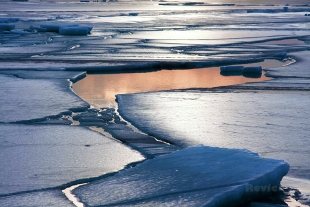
column 196, row 176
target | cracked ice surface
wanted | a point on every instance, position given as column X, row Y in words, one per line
column 156, row 33
column 274, row 124
column 27, row 99
column 196, row 176
column 39, row 157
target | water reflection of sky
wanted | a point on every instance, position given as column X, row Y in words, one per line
column 100, row 89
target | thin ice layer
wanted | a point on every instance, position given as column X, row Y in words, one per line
column 27, row 99
column 37, row 157
column 198, row 176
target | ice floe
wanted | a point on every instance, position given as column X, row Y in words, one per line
column 40, row 198
column 56, row 27
column 66, row 29
column 231, row 68
column 38, row 157
column 34, row 99
column 268, row 123
column 80, row 30
column 252, row 69
column 196, row 176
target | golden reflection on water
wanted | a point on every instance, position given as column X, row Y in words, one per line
column 99, row 90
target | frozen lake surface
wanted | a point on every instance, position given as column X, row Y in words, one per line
column 35, row 89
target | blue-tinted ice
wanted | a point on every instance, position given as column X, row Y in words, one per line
column 38, row 157
column 28, row 99
column 146, row 32
column 274, row 124
column 196, row 176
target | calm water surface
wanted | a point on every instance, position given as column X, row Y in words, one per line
column 100, row 89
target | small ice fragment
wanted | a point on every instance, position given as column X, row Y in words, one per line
column 56, row 27
column 252, row 69
column 133, row 14
column 231, row 68
column 6, row 27
column 75, row 30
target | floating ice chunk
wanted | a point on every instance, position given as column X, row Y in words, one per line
column 79, row 30
column 6, row 27
column 56, row 27
column 252, row 75
column 231, row 68
column 196, row 176
column 285, row 8
column 252, row 69
column 133, row 14
column 233, row 73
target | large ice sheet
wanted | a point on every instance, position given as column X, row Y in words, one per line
column 44, row 198
column 28, row 99
column 46, row 74
column 196, row 176
column 274, row 124
column 36, row 157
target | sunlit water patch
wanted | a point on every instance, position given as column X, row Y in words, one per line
column 100, row 89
